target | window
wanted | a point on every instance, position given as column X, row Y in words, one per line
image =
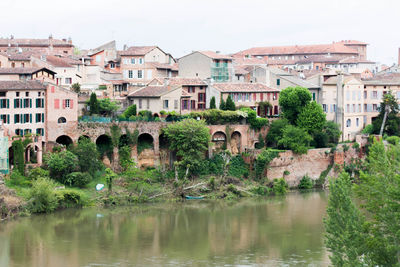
column 27, row 118
column 68, row 80
column 19, row 132
column 112, row 65
column 365, row 108
column 359, row 95
column 348, row 96
column 175, row 104
column 2, row 94
column 67, row 103
column 140, row 60
column 40, row 102
column 374, row 107
column 357, row 121
column 192, row 104
column 17, row 118
column 348, row 108
column 17, row 94
column 313, row 96
column 130, row 74
column 202, row 97
column 334, row 107
column 365, row 95
column 374, row 95
column 354, row 95
column 201, row 106
column 165, row 103
column 140, row 74
column 359, row 108
column 278, row 81
column 133, row 61
column 26, row 93
column 62, row 120
column 5, row 118
column 4, row 103
column 348, row 123
column 40, row 131
column 324, row 108
column 27, row 131
column 140, row 103
column 185, row 104
column 148, row 103
column 39, row 117
column 191, row 89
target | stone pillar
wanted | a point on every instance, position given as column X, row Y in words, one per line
column 39, row 156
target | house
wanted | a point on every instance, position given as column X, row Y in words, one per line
column 140, row 64
column 22, row 74
column 206, row 65
column 16, row 59
column 248, row 95
column 103, row 55
column 48, row 46
column 156, row 98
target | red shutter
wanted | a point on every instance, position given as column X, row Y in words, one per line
column 56, row 103
column 254, row 97
column 261, row 96
column 71, row 104
column 63, row 103
column 52, row 89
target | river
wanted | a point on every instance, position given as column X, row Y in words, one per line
column 273, row 231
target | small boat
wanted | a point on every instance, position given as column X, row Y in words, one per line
column 192, row 197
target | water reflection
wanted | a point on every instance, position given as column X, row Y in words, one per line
column 274, row 231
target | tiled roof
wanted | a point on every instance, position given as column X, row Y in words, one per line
column 18, row 70
column 354, row 60
column 62, row 62
column 150, row 91
column 243, row 87
column 137, row 50
column 352, row 42
column 16, row 56
column 178, row 81
column 298, row 49
column 215, row 55
column 33, row 42
column 21, row 85
column 299, row 82
column 241, row 69
column 384, row 79
column 164, row 66
column 333, row 79
column 249, row 61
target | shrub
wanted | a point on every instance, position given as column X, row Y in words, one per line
column 322, row 177
column 280, row 186
column 61, row 164
column 211, row 183
column 345, row 148
column 238, row 168
column 263, row 160
column 260, row 190
column 305, row 183
column 68, row 198
column 38, row 172
column 394, row 140
column 286, row 172
column 296, row 139
column 130, row 111
column 17, row 179
column 42, row 197
column 368, row 129
column 79, row 179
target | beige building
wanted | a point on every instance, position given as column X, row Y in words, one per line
column 15, row 59
column 206, row 65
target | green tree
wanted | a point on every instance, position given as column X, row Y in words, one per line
column 222, row 105
column 88, row 156
column 107, row 107
column 212, row 103
column 292, row 100
column 311, row 118
column 392, row 125
column 93, row 104
column 332, row 131
column 110, row 176
column 263, row 160
column 61, row 164
column 295, row 139
column 343, row 223
column 189, row 139
column 19, row 159
column 230, row 105
column 275, row 132
column 130, row 111
column 42, row 197
column 76, row 87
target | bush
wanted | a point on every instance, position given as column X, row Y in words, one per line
column 68, row 198
column 280, row 186
column 17, row 179
column 368, row 129
column 296, row 139
column 238, row 168
column 61, row 164
column 79, row 179
column 130, row 111
column 38, row 172
column 394, row 140
column 345, row 148
column 42, row 197
column 306, row 183
column 260, row 190
column 275, row 132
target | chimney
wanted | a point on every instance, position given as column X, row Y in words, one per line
column 125, row 47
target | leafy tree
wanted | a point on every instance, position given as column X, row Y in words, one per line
column 190, row 139
column 275, row 132
column 343, row 223
column 130, row 111
column 88, row 156
column 392, row 125
column 61, row 164
column 76, row 87
column 212, row 103
column 230, row 105
column 107, row 107
column 296, row 139
column 311, row 118
column 42, row 197
column 222, row 105
column 292, row 100
column 93, row 104
column 19, row 159
column 332, row 130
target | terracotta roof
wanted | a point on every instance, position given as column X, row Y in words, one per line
column 151, row 91
column 249, row 61
column 20, row 70
column 333, row 48
column 299, row 82
column 33, row 42
column 164, row 66
column 241, row 69
column 178, row 81
column 62, row 62
column 137, row 50
column 214, row 55
column 319, row 59
column 352, row 42
column 21, row 85
column 16, row 56
column 333, row 79
column 354, row 60
column 243, row 87
column 384, row 79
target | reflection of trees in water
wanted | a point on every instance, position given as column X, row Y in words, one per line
column 277, row 228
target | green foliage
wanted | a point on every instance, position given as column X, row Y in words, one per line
column 295, row 139
column 88, row 156
column 144, row 144
column 230, row 105
column 212, row 103
column 19, row 159
column 260, row 190
column 311, row 118
column 42, row 197
column 68, row 198
column 189, row 139
column 369, row 129
column 345, row 148
column 275, row 132
column 392, row 125
column 130, row 111
column 255, row 123
column 125, row 156
column 76, row 87
column 146, row 114
column 79, row 179
column 279, row 186
column 61, row 164
column 263, row 160
column 322, row 177
column 211, row 183
column 343, row 224
column 264, row 106
column 306, row 183
column 222, row 105
column 238, row 168
column 107, row 107
column 110, row 176
column 332, row 132
column 115, row 135
column 93, row 104
column 38, row 172
column 17, row 179
column 261, row 142
column 292, row 100
column 394, row 140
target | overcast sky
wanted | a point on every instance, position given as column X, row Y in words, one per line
column 180, row 26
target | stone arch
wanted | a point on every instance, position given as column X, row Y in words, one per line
column 155, row 115
column 64, row 140
column 104, row 145
column 83, row 137
column 31, row 154
column 219, row 140
column 162, row 141
column 10, row 157
column 62, row 120
column 236, row 142
column 145, row 141
column 145, row 150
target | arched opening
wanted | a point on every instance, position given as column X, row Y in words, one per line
column 236, row 142
column 145, row 142
column 124, row 141
column 83, row 137
column 31, row 154
column 219, row 140
column 11, row 157
column 163, row 141
column 64, row 140
column 62, row 120
column 155, row 115
column 104, row 145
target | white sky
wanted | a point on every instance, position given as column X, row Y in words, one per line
column 180, row 26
